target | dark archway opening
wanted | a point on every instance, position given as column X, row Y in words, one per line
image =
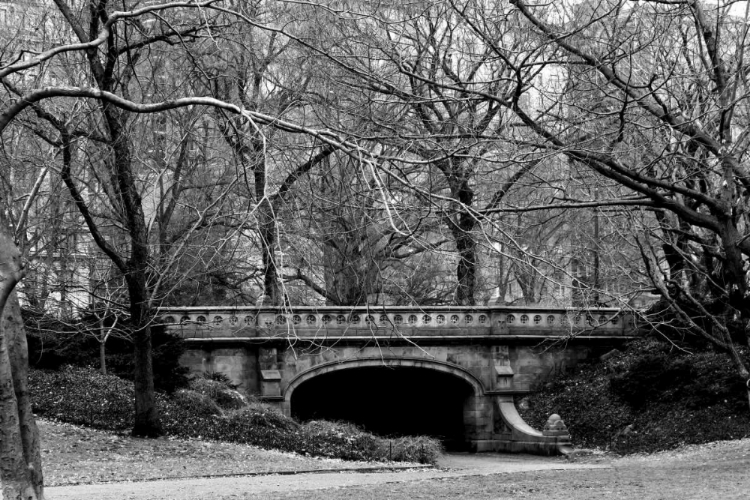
column 388, row 401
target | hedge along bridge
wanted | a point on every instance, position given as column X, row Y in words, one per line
column 447, row 371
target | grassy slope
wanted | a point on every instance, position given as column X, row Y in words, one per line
column 210, row 410
column 669, row 397
column 81, row 455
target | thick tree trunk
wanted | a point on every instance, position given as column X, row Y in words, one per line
column 20, row 457
column 12, row 323
column 14, row 474
column 147, row 422
column 146, row 415
column 267, row 233
column 735, row 283
column 466, row 270
column 734, row 272
column 253, row 154
column 466, row 245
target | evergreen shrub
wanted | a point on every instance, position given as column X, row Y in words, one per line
column 665, row 396
column 86, row 397
column 54, row 343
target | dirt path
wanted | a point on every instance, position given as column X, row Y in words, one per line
column 77, row 458
column 451, row 467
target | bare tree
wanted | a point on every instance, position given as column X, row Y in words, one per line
column 427, row 86
column 264, row 73
column 669, row 124
column 102, row 41
column 354, row 247
column 20, row 454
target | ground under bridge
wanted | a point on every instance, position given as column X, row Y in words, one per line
column 447, row 371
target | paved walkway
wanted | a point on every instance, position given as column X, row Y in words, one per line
column 452, row 465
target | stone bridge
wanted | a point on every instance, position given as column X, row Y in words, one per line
column 453, row 372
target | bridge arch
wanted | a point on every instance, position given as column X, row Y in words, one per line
column 429, row 364
column 392, row 396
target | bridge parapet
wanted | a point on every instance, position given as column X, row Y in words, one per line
column 337, row 322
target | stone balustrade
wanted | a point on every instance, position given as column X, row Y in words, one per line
column 305, row 321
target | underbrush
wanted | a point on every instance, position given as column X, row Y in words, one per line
column 53, row 344
column 213, row 410
column 649, row 397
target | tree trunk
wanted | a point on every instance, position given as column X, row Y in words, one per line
column 146, row 415
column 466, row 245
column 267, row 233
column 466, row 270
column 20, row 457
column 596, row 284
column 147, row 422
column 102, row 357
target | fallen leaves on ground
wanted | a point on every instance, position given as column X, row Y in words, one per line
column 79, row 455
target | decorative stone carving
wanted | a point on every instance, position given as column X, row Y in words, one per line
column 555, row 427
column 208, row 322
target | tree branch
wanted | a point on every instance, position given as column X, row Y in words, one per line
column 298, row 172
column 313, row 286
column 83, row 208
